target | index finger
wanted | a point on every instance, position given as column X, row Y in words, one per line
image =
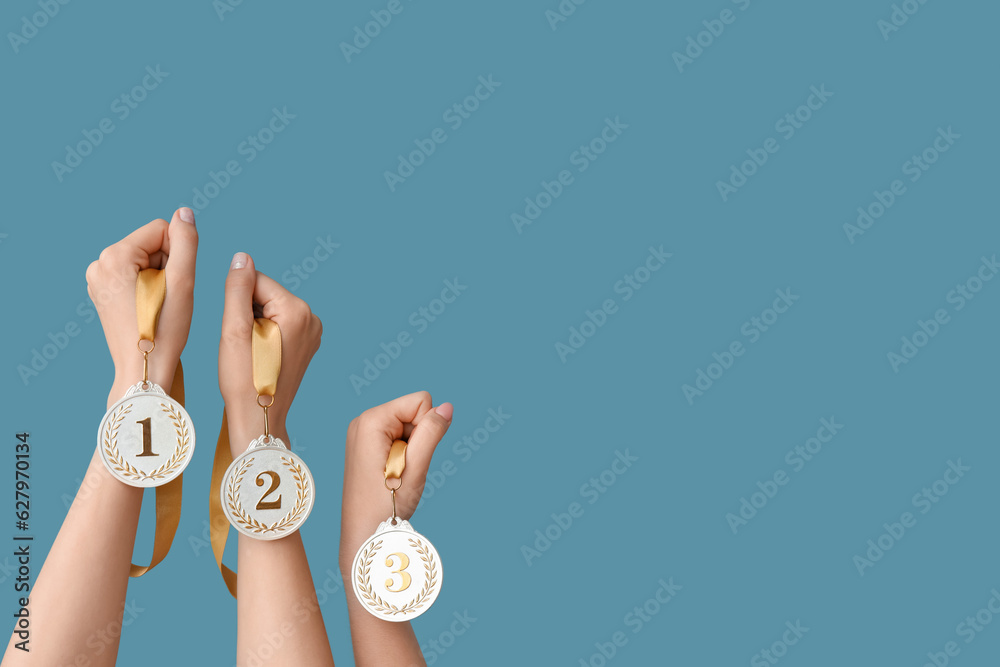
column 392, row 418
column 149, row 238
column 267, row 291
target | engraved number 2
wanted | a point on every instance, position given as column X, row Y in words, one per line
column 147, row 437
column 275, row 481
column 404, row 563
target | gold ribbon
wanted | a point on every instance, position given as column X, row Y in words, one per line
column 150, row 290
column 394, row 466
column 219, row 528
column 396, row 462
column 265, row 353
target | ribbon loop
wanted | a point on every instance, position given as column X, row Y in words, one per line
column 396, row 462
column 150, row 291
column 265, row 348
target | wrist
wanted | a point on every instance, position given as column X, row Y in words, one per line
column 243, row 433
column 354, row 533
column 348, row 550
column 127, row 375
column 122, row 383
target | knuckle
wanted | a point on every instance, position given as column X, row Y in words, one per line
column 301, row 308
column 362, row 421
column 352, row 431
column 236, row 280
column 237, row 330
column 183, row 283
column 115, row 256
column 230, row 338
column 299, row 315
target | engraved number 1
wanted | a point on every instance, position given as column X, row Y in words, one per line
column 147, row 437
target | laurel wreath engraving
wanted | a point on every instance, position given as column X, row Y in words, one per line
column 126, row 469
column 251, row 524
column 372, row 599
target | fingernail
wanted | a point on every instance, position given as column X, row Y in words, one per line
column 186, row 214
column 239, row 260
column 445, row 410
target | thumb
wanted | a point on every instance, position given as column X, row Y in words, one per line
column 183, row 239
column 237, row 324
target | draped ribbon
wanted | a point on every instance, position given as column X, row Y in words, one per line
column 265, row 352
column 150, row 290
column 219, row 524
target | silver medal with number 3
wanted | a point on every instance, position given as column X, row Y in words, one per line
column 146, row 439
column 397, row 573
column 268, row 491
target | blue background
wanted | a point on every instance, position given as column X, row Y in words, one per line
column 665, row 517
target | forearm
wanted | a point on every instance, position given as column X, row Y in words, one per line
column 77, row 604
column 80, row 593
column 276, row 602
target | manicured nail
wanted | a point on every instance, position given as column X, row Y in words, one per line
column 239, row 260
column 186, row 214
column 445, row 410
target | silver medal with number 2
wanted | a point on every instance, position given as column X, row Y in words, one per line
column 268, row 491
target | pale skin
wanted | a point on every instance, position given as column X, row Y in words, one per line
column 367, row 503
column 79, row 595
column 275, row 588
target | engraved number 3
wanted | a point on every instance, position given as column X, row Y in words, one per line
column 275, row 481
column 404, row 563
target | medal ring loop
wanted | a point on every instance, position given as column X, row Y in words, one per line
column 269, row 404
column 393, row 488
column 152, row 344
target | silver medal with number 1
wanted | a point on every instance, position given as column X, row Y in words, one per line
column 146, row 439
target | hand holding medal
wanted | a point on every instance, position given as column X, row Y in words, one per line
column 259, row 486
column 112, row 284
column 288, row 490
column 146, row 438
column 396, row 572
